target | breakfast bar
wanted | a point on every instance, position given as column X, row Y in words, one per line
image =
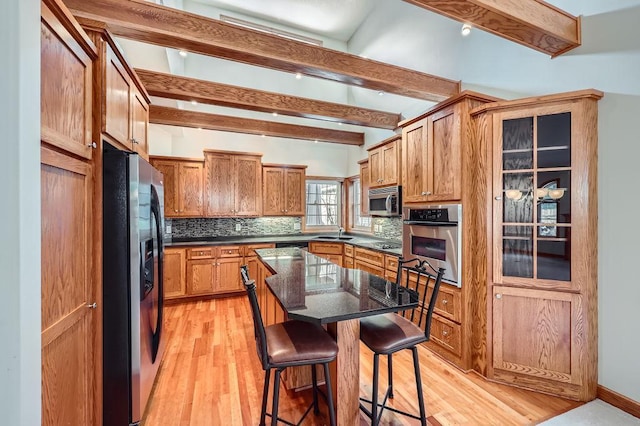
column 310, row 288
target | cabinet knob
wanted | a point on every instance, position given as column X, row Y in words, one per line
column 92, row 145
column 498, row 198
column 445, row 333
column 498, row 296
column 175, row 210
column 134, row 141
column 93, row 305
column 445, row 301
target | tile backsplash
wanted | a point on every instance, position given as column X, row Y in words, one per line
column 389, row 228
column 226, row 227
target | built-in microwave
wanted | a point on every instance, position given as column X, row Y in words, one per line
column 433, row 233
column 385, row 201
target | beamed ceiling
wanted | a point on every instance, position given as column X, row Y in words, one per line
column 531, row 23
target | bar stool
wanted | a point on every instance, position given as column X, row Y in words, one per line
column 387, row 334
column 287, row 344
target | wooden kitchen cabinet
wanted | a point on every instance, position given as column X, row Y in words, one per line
column 233, row 184
column 139, row 124
column 364, row 187
column 201, row 275
column 283, row 190
column 175, row 272
column 330, row 251
column 228, row 278
column 183, row 186
column 384, row 162
column 543, row 278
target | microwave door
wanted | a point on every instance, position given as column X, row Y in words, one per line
column 387, row 204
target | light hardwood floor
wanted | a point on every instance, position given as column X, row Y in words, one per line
column 210, row 376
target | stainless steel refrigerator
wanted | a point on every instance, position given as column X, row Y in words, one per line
column 132, row 284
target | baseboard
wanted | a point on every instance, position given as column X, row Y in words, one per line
column 620, row 401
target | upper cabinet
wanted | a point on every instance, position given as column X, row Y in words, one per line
column 364, row 186
column 384, row 163
column 543, row 294
column 66, row 86
column 183, row 181
column 233, row 184
column 283, row 190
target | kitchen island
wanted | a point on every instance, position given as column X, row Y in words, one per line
column 310, row 288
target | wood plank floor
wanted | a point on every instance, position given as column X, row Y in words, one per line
column 210, row 375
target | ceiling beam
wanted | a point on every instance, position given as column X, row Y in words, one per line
column 151, row 23
column 190, row 89
column 202, row 120
column 532, row 23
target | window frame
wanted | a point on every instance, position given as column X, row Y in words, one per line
column 340, row 203
column 352, row 205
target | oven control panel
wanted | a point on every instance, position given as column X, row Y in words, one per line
column 430, row 215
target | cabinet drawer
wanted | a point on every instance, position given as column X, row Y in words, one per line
column 391, row 263
column 250, row 250
column 327, row 248
column 447, row 334
column 448, row 302
column 229, row 251
column 348, row 250
column 348, row 262
column 367, row 267
column 373, row 257
column 200, row 253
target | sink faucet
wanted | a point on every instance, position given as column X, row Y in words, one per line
column 340, row 232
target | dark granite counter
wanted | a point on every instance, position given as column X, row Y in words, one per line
column 311, row 288
column 353, row 239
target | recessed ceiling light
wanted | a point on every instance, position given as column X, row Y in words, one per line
column 263, row 136
column 275, row 114
column 182, row 53
column 380, row 93
column 194, row 102
column 298, row 76
column 316, row 141
column 339, row 123
column 466, row 30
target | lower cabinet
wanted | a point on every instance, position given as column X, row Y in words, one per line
column 369, row 260
column 175, row 272
column 330, row 251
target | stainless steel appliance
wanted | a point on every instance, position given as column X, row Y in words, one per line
column 132, row 284
column 385, row 201
column 433, row 233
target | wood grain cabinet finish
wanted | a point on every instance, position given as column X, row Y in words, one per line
column 384, row 163
column 175, row 273
column 364, row 186
column 66, row 88
column 283, row 190
column 183, row 186
column 542, row 242
column 233, row 184
column 201, row 275
column 139, row 124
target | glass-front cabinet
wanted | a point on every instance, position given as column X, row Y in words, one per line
column 542, row 286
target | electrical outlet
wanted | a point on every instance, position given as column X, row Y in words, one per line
column 296, row 226
column 238, row 227
column 167, row 229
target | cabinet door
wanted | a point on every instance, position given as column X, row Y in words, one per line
column 364, row 188
column 273, row 195
column 444, row 176
column 169, row 170
column 414, row 164
column 174, row 284
column 390, row 163
column 228, row 276
column 537, row 333
column 139, row 123
column 201, row 276
column 190, row 191
column 376, row 171
column 219, row 188
column 68, row 325
column 294, row 189
column 248, row 185
column 117, row 107
column 65, row 89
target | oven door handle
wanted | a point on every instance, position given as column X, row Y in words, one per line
column 426, row 223
column 387, row 203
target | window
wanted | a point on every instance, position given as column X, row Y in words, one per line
column 356, row 220
column 323, row 203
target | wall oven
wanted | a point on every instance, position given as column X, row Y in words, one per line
column 385, row 201
column 433, row 233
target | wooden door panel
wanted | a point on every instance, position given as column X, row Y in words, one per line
column 218, row 177
column 117, row 100
column 273, row 196
column 390, row 164
column 200, row 276
column 376, row 173
column 294, row 189
column 190, row 195
column 66, row 89
column 140, row 120
column 414, row 171
column 67, row 322
column 444, row 178
column 174, row 273
column 169, row 170
column 364, row 188
column 248, row 184
column 228, row 278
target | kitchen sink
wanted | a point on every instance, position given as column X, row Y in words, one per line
column 331, row 237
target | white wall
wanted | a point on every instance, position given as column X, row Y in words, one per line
column 20, row 214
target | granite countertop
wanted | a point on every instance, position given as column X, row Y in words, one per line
column 354, row 239
column 311, row 288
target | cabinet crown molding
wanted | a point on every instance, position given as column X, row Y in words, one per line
column 535, row 100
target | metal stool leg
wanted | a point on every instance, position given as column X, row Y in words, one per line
column 265, row 394
column 314, row 381
column 390, row 365
column 416, row 367
column 374, row 392
column 276, row 394
column 327, row 378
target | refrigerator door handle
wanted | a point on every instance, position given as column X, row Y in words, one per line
column 156, row 212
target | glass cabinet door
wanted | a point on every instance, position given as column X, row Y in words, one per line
column 533, row 220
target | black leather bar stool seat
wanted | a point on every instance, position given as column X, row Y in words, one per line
column 387, row 334
column 288, row 344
